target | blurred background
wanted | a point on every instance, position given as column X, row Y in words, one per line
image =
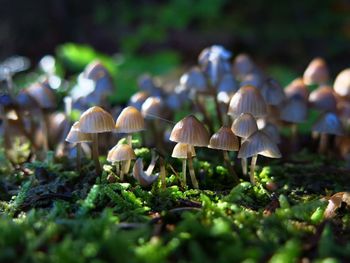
column 156, row 35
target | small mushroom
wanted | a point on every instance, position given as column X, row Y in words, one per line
column 323, row 99
column 316, row 72
column 144, row 178
column 297, row 88
column 242, row 65
column 138, row 99
column 180, row 152
column 121, row 154
column 342, row 83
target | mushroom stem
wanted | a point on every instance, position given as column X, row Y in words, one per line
column 244, row 166
column 95, row 154
column 323, row 143
column 78, row 157
column 117, row 168
column 126, row 167
column 190, row 167
column 294, row 136
column 230, row 166
column 162, row 172
column 252, row 169
column 123, row 164
column 184, row 164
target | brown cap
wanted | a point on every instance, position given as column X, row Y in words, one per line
column 191, row 131
column 272, row 92
column 328, row 123
column 323, row 98
column 76, row 136
column 152, row 108
column 224, row 139
column 43, row 94
column 120, row 152
column 96, row 120
column 259, row 143
column 297, row 88
column 244, row 126
column 247, row 100
column 342, row 83
column 316, row 72
column 130, row 120
column 294, row 110
column 180, row 151
column 95, row 70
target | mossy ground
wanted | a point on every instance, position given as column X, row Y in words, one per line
column 49, row 213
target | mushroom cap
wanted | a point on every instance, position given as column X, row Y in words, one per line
column 244, row 126
column 224, row 139
column 95, row 70
column 130, row 120
column 342, row 83
column 76, row 136
column 96, row 120
column 141, row 176
column 259, row 143
column 138, row 99
column 272, row 92
column 191, row 131
column 297, row 88
column 272, row 131
column 152, row 108
column 254, row 78
column 294, row 110
column 180, row 151
column 247, row 100
column 242, row 65
column 43, row 95
column 323, row 98
column 228, row 83
column 194, row 79
column 316, row 72
column 121, row 152
column 328, row 123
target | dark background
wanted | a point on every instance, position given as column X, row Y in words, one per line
column 274, row 31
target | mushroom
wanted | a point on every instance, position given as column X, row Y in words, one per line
column 328, row 123
column 138, row 99
column 244, row 126
column 323, row 99
column 258, row 144
column 121, row 154
column 144, row 178
column 224, row 139
column 96, row 120
column 342, row 83
column 76, row 137
column 191, row 131
column 180, row 152
column 316, row 72
column 272, row 131
column 242, row 65
column 297, row 88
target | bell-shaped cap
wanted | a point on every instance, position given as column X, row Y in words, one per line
column 242, row 65
column 95, row 70
column 272, row 131
column 76, row 136
column 141, row 176
column 138, row 99
column 43, row 95
column 316, row 72
column 194, row 80
column 297, row 88
column 272, row 92
column 180, row 151
column 259, row 144
column 342, row 83
column 224, row 139
column 247, row 100
column 121, row 152
column 130, row 120
column 294, row 110
column 244, row 126
column 328, row 123
column 323, row 99
column 191, row 131
column 96, row 120
column 152, row 108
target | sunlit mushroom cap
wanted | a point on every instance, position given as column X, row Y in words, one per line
column 130, row 120
column 242, row 65
column 180, row 151
column 191, row 131
column 141, row 176
column 224, row 139
column 43, row 94
column 121, row 152
column 323, row 98
column 294, row 110
column 297, row 88
column 328, row 123
column 342, row 83
column 138, row 99
column 259, row 144
column 247, row 100
column 244, row 126
column 152, row 108
column 272, row 92
column 316, row 72
column 95, row 70
column 76, row 136
column 96, row 120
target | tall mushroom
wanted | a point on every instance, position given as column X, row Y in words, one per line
column 191, row 131
column 96, row 120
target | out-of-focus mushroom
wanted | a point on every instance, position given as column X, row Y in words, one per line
column 316, row 72
column 258, row 144
column 121, row 154
column 342, row 83
column 271, row 130
column 96, row 120
column 323, row 99
column 297, row 88
column 226, row 88
column 224, row 139
column 138, row 99
column 190, row 131
column 242, row 66
column 328, row 123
